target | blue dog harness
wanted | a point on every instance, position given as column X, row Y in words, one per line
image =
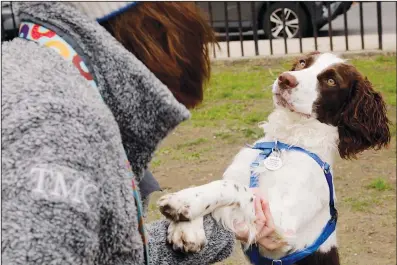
column 253, row 252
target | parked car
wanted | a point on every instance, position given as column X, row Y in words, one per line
column 298, row 15
column 295, row 17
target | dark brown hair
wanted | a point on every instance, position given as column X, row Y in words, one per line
column 171, row 39
column 355, row 108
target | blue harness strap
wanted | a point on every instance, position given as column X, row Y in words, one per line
column 253, row 252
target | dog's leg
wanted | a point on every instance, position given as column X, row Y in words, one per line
column 187, row 236
column 188, row 204
column 229, row 217
column 229, row 201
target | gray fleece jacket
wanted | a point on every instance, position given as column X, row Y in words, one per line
column 66, row 192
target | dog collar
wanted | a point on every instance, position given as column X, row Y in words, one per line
column 253, row 252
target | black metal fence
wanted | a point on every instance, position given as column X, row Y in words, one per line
column 271, row 24
column 258, row 24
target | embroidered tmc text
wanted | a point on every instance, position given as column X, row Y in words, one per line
column 52, row 185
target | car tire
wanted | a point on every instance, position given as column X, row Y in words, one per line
column 291, row 11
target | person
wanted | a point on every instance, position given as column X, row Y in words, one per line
column 89, row 89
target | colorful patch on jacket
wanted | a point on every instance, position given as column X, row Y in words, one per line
column 141, row 224
column 48, row 38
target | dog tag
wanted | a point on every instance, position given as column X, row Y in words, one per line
column 273, row 162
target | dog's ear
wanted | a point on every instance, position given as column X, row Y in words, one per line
column 313, row 53
column 363, row 123
column 309, row 57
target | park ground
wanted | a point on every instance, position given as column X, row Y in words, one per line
column 236, row 100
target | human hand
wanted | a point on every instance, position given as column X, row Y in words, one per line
column 265, row 227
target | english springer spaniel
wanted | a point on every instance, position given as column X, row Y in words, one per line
column 323, row 107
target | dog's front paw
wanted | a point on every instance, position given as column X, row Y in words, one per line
column 175, row 208
column 187, row 236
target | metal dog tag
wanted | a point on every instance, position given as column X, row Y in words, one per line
column 273, row 162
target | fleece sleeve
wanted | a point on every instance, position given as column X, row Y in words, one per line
column 219, row 247
column 66, row 189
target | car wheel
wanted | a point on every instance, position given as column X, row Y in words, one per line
column 294, row 20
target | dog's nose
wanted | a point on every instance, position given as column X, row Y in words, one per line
column 286, row 80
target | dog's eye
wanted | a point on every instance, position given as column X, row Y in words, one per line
column 331, row 82
column 302, row 63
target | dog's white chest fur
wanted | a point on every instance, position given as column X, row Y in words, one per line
column 298, row 192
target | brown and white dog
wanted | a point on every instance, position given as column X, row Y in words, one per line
column 324, row 105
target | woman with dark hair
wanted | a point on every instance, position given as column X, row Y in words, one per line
column 81, row 118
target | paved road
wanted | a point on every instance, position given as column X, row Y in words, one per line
column 370, row 20
column 389, row 14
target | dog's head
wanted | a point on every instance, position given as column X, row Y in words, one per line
column 326, row 87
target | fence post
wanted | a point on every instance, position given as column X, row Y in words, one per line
column 330, row 26
column 227, row 27
column 361, row 25
column 255, row 27
column 212, row 23
column 284, row 31
column 240, row 27
column 269, row 30
column 345, row 27
column 379, row 14
column 298, row 7
column 314, row 25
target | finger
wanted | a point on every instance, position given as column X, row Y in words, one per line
column 268, row 228
column 264, row 231
column 257, row 205
column 268, row 215
column 258, row 210
column 265, row 206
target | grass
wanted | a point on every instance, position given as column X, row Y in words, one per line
column 362, row 204
column 379, row 184
column 381, row 71
column 237, row 99
column 191, row 143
